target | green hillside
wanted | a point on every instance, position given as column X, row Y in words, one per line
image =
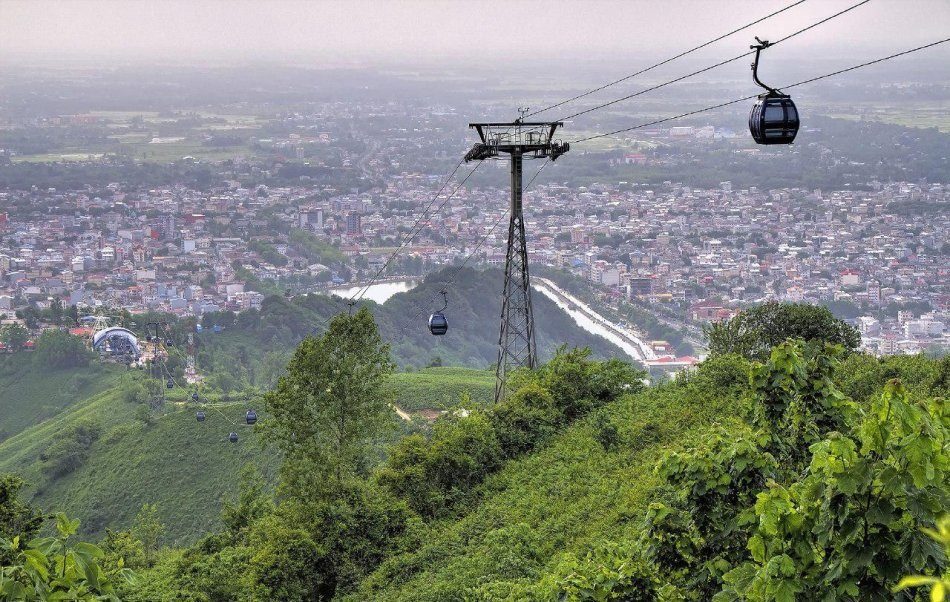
column 184, row 467
column 442, row 388
column 561, row 501
column 30, row 394
column 571, row 491
column 563, row 518
column 802, row 471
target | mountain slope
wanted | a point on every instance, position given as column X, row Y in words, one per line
column 472, row 340
column 186, row 468
column 29, row 394
column 557, row 501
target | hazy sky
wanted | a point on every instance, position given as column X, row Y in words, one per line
column 427, row 30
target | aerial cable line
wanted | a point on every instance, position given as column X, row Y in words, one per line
column 669, row 60
column 359, row 294
column 710, row 67
column 422, row 307
column 745, row 98
column 419, row 228
column 410, row 235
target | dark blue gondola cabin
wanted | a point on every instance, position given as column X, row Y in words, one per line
column 200, row 416
column 250, row 417
column 233, row 438
column 773, row 119
column 438, row 324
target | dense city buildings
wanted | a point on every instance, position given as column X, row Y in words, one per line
column 707, row 252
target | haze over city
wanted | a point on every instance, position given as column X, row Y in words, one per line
column 432, row 31
column 417, row 300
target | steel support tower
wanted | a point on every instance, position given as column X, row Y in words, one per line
column 519, row 140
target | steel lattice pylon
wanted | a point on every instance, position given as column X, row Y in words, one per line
column 516, row 346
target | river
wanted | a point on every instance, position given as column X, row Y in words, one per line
column 593, row 322
column 378, row 292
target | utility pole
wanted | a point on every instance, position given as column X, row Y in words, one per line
column 519, row 140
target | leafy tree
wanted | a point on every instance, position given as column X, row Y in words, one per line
column 851, row 526
column 147, row 528
column 527, row 417
column 330, row 405
column 122, row 549
column 59, row 349
column 939, row 586
column 798, row 403
column 696, row 532
column 14, row 336
column 816, row 503
column 434, row 475
column 755, row 331
column 252, row 504
column 17, row 519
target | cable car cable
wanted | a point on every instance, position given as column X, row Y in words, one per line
column 411, row 235
column 710, row 67
column 422, row 306
column 669, row 60
column 425, row 213
column 409, row 239
column 745, row 98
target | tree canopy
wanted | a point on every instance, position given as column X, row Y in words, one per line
column 332, row 401
column 753, row 332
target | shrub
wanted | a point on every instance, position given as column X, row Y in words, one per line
column 524, row 419
column 71, row 450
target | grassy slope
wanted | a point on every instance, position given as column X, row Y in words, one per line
column 186, row 468
column 442, row 388
column 563, row 498
column 29, row 396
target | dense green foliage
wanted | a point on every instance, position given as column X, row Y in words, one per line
column 753, row 332
column 811, row 474
column 51, row 568
column 14, row 336
column 59, row 349
column 17, row 519
column 334, row 396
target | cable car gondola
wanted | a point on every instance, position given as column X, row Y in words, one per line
column 250, row 417
column 194, row 397
column 233, row 438
column 774, row 118
column 200, row 416
column 170, row 383
column 438, row 324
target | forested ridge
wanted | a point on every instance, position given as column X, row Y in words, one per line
column 804, row 471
